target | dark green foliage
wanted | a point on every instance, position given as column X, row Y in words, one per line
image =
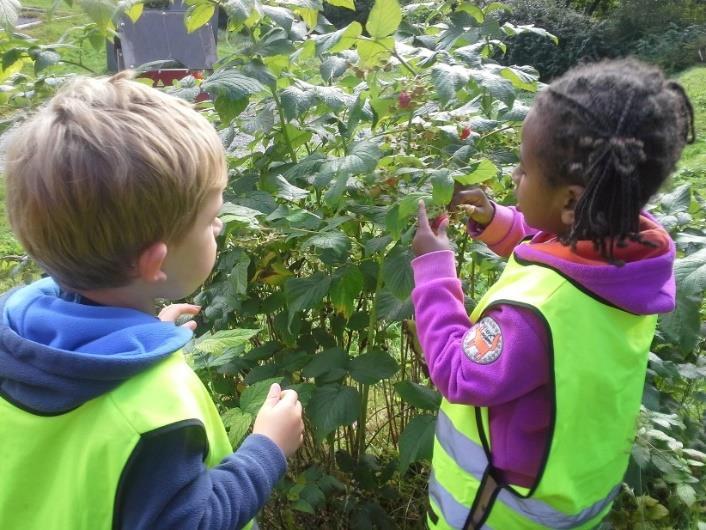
column 341, row 16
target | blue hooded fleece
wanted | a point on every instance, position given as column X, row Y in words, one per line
column 59, row 350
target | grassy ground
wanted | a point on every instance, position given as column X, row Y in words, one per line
column 694, row 81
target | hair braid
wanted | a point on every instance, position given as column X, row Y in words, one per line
column 620, row 127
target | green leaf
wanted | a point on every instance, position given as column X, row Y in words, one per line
column 228, row 108
column 512, row 30
column 362, row 158
column 306, row 293
column 522, row 77
column 280, row 187
column 418, row 396
column 198, row 15
column 683, row 326
column 9, row 13
column 347, row 285
column 99, row 11
column 231, row 84
column 239, row 215
column 417, row 441
column 686, row 493
column 332, row 406
column 448, row 80
column 334, row 240
column 246, row 12
column 332, row 67
column 332, row 364
column 131, row 8
column 282, row 16
column 254, row 396
column 397, row 272
column 238, row 423
column 220, row 341
column 372, row 52
column 473, row 10
column 497, row 86
column 483, row 171
column 384, row 18
column 340, row 40
column 348, row 4
column 369, row 368
column 391, row 308
column 442, row 187
column 44, row 59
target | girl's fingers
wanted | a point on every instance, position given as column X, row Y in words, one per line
column 422, row 219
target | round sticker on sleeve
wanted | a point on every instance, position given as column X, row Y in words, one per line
column 483, row 343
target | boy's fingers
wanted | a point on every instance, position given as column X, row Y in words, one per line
column 174, row 311
column 273, row 395
column 422, row 217
column 289, row 397
column 189, row 325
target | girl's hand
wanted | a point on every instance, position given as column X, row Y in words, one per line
column 427, row 240
column 173, row 312
column 475, row 203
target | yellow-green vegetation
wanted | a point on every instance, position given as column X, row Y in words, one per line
column 694, row 81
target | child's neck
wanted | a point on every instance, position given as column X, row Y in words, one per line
column 130, row 296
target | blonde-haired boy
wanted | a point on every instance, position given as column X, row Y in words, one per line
column 114, row 188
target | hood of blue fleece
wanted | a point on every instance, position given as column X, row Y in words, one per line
column 58, row 350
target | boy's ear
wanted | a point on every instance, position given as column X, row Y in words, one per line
column 149, row 264
column 573, row 194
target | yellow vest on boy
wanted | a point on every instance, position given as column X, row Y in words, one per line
column 65, row 469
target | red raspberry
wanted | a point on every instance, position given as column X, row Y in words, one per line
column 465, row 133
column 404, row 100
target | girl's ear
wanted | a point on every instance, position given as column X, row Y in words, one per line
column 149, row 264
column 573, row 194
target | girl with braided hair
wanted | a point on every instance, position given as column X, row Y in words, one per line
column 542, row 384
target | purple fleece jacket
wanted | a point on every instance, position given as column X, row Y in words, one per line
column 515, row 387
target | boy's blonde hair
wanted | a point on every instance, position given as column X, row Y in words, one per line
column 107, row 168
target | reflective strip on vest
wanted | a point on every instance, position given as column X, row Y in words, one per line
column 472, row 459
column 453, row 511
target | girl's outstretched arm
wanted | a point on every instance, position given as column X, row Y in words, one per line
column 504, row 232
column 496, row 360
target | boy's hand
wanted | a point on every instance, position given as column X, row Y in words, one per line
column 475, row 203
column 280, row 419
column 427, row 240
column 172, row 312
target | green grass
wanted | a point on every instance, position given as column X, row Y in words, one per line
column 694, row 82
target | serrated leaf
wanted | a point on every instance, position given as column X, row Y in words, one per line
column 238, row 424
column 197, row 16
column 241, row 215
column 44, row 59
column 331, row 363
column 282, row 16
column 372, row 52
column 362, row 158
column 334, row 240
column 9, row 13
column 340, row 40
column 687, row 494
column 99, row 11
column 418, row 396
column 448, row 80
column 305, row 293
column 384, row 18
column 254, row 396
column 417, row 441
column 332, row 67
column 483, row 171
column 280, row 187
column 228, row 108
column 473, row 10
column 397, row 272
column 220, row 341
column 369, row 368
column 512, row 30
column 442, row 188
column 231, row 84
column 523, row 77
column 332, row 406
column 246, row 12
column 347, row 285
column 391, row 308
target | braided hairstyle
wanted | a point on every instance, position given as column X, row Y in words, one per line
column 617, row 128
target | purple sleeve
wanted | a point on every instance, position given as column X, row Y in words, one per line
column 166, row 484
column 442, row 324
column 505, row 230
